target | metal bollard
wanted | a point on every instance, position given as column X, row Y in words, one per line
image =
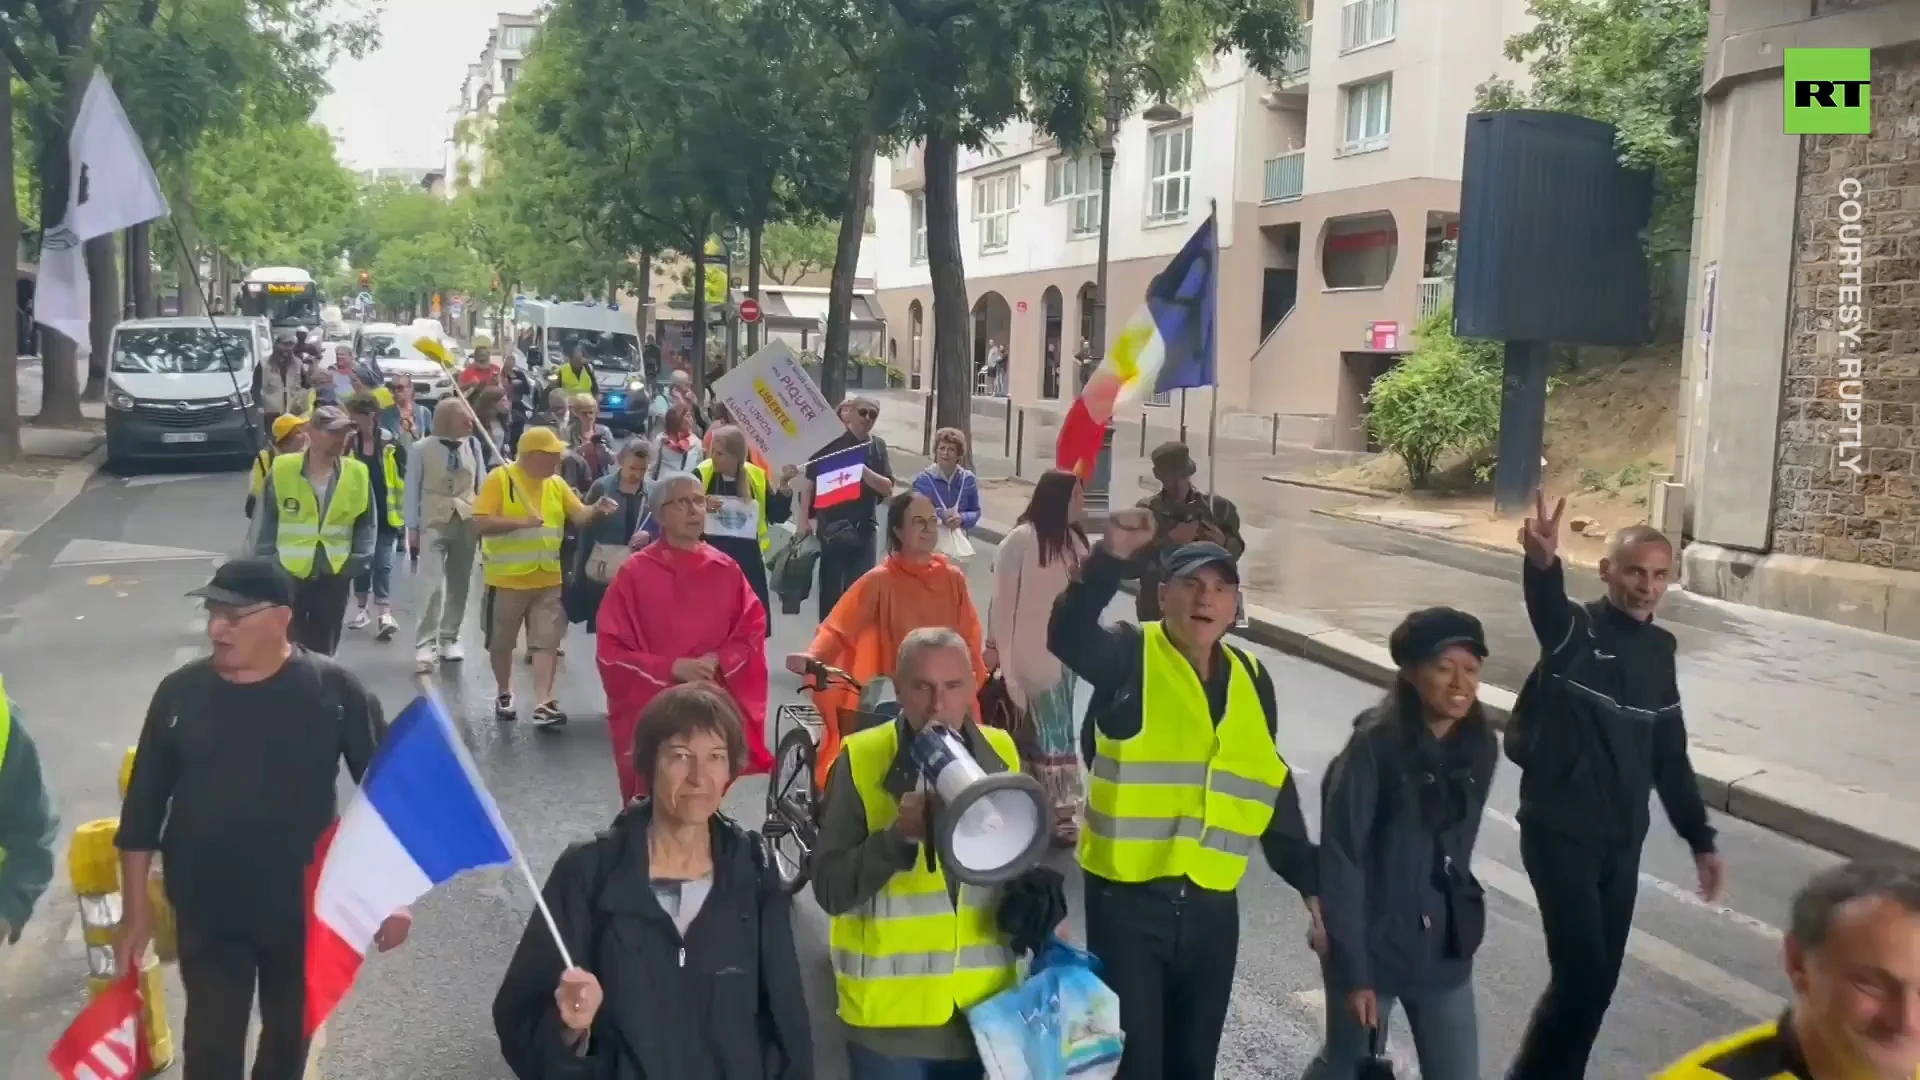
column 926, row 429
column 93, row 865
column 166, row 939
column 1006, row 441
column 1276, row 434
column 1143, row 433
column 1019, row 440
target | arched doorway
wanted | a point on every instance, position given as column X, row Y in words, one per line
column 1083, row 305
column 992, row 322
column 916, row 334
column 1051, row 306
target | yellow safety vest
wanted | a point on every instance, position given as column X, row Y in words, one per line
column 6, row 732
column 910, row 956
column 261, row 463
column 756, row 490
column 576, row 382
column 1762, row 1052
column 1183, row 798
column 530, row 550
column 302, row 530
column 396, row 485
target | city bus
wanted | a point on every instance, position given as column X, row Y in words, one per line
column 285, row 296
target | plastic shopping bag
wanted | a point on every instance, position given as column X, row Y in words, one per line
column 953, row 543
column 1060, row 1023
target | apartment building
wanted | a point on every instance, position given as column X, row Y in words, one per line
column 487, row 84
column 1336, row 184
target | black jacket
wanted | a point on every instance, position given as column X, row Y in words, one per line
column 1396, row 803
column 725, row 1003
column 1109, row 658
column 1598, row 724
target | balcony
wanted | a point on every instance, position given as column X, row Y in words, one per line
column 1434, row 291
column 910, row 168
column 1286, row 177
column 1299, row 58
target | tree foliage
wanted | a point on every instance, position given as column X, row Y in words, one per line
column 258, row 211
column 790, row 250
column 1635, row 64
column 1442, row 398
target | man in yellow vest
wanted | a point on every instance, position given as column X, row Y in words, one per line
column 575, row 377
column 1185, row 781
column 28, row 826
column 1853, row 958
column 317, row 516
column 521, row 515
column 912, row 948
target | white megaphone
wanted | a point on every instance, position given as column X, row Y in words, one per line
column 991, row 827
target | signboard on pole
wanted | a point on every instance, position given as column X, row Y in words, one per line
column 778, row 406
column 749, row 310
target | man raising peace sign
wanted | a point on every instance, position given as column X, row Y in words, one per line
column 1597, row 725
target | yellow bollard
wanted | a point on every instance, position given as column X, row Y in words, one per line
column 166, row 939
column 93, row 865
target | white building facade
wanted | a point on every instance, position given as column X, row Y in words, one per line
column 489, row 80
column 1335, row 184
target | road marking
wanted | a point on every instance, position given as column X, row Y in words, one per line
column 1661, row 956
column 150, row 481
column 85, row 552
column 1680, row 894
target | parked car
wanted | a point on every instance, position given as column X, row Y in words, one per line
column 182, row 388
column 389, row 349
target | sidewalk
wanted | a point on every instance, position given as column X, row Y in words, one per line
column 56, row 464
column 1797, row 725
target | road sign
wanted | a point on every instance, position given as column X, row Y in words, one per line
column 749, row 310
column 365, row 299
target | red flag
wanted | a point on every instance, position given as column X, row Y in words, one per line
column 108, row 1040
column 1079, row 442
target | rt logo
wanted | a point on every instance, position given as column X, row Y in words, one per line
column 1829, row 91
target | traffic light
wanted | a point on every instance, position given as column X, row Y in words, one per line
column 363, row 277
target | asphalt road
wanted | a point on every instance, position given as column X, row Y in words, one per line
column 87, row 627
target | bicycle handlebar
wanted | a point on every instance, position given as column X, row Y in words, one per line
column 821, row 676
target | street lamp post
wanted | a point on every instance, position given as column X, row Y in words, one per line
column 1098, row 495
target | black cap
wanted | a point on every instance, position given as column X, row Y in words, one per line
column 1427, row 633
column 1174, row 457
column 1189, row 559
column 244, row 582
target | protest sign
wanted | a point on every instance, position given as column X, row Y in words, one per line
column 782, row 412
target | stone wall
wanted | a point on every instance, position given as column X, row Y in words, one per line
column 1849, row 488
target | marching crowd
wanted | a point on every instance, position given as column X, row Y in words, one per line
column 683, row 955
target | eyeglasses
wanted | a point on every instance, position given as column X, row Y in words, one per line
column 867, row 414
column 227, row 613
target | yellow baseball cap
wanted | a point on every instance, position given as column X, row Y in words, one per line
column 541, row 440
column 286, row 424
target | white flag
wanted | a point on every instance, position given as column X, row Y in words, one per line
column 111, row 187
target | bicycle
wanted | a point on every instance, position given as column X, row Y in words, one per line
column 793, row 793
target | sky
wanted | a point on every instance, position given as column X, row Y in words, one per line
column 392, row 106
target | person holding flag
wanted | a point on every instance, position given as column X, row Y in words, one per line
column 1168, row 345
column 234, row 781
column 846, row 482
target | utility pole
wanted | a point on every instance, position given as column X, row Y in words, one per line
column 9, row 250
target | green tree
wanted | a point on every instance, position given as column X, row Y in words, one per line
column 1443, row 398
column 410, row 270
column 790, row 250
column 260, row 212
column 1635, row 64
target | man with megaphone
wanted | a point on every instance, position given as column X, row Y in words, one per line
column 926, row 817
column 1184, row 781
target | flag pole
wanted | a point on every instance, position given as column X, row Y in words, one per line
column 190, row 265
column 1213, row 393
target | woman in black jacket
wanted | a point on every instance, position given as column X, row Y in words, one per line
column 681, row 935
column 1400, row 815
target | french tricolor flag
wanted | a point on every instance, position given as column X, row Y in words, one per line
column 838, row 476
column 421, row 818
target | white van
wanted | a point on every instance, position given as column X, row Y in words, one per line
column 389, row 350
column 179, row 389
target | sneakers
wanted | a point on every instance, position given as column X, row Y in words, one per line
column 425, row 659
column 360, row 621
column 388, row 627
column 503, row 710
column 451, row 652
column 548, row 716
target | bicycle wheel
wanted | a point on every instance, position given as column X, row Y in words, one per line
column 790, row 829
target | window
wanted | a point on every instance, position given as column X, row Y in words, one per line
column 1076, row 182
column 1366, row 22
column 509, row 71
column 1369, row 108
column 918, row 214
column 1172, row 161
column 995, row 198
column 516, row 38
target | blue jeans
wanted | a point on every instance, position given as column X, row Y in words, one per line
column 1446, row 1037
column 377, row 578
column 867, row 1065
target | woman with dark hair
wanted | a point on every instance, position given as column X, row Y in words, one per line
column 605, row 544
column 490, row 408
column 680, row 935
column 1030, row 570
column 676, row 448
column 1400, row 816
column 913, row 588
